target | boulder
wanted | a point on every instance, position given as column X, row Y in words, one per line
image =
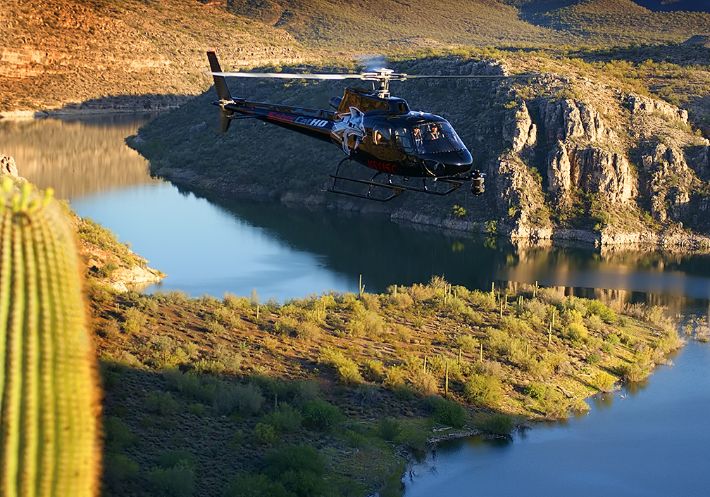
column 7, row 165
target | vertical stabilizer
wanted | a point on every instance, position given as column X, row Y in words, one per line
column 220, row 86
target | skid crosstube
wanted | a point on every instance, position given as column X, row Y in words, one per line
column 393, row 189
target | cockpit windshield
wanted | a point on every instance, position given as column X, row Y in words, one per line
column 435, row 137
column 429, row 138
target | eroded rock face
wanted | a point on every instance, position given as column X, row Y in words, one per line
column 670, row 181
column 639, row 104
column 591, row 169
column 7, row 165
column 571, row 120
column 519, row 129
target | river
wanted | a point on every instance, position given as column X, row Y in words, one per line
column 652, row 441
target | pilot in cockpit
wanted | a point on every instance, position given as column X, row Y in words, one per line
column 435, row 132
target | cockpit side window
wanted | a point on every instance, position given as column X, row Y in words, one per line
column 403, row 137
column 381, row 135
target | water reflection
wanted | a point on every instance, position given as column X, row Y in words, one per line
column 76, row 157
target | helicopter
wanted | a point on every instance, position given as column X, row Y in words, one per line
column 407, row 150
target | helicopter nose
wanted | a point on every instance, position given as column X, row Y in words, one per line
column 452, row 158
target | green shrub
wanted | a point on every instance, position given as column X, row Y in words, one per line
column 161, row 403
column 483, row 390
column 346, row 368
column 191, row 385
column 265, row 434
column 118, row 435
column 497, row 424
column 119, row 471
column 284, row 418
column 424, row 382
column 600, row 309
column 395, row 377
column 299, row 468
column 245, row 400
column 294, row 458
column 374, row 370
column 133, row 320
column 177, row 481
column 388, row 429
column 321, row 415
column 576, row 332
column 447, row 412
column 468, row 343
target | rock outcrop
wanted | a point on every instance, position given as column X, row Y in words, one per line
column 7, row 165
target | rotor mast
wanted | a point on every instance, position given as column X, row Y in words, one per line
column 383, row 77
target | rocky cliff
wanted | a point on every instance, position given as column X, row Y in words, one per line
column 569, row 157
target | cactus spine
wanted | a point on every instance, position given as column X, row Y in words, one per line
column 48, row 392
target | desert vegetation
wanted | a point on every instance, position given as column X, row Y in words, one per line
column 317, row 396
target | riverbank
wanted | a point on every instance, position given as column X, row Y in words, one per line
column 364, row 379
column 106, row 260
column 218, row 189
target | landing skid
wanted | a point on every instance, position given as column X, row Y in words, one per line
column 390, row 189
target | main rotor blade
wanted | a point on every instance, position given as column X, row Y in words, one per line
column 465, row 76
column 284, row 75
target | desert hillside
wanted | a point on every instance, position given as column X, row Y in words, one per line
column 135, row 54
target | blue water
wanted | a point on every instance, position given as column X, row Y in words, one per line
column 655, row 442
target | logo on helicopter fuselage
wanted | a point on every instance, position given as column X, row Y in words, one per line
column 309, row 121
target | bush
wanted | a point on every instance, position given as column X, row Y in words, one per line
column 600, row 309
column 251, row 485
column 119, row 470
column 447, row 412
column 133, row 320
column 321, row 415
column 161, row 403
column 284, row 418
column 245, row 400
column 346, row 368
column 299, row 468
column 389, row 429
column 468, row 344
column 497, row 424
column 191, row 385
column 294, row 458
column 424, row 383
column 118, row 434
column 177, row 481
column 374, row 370
column 265, row 434
column 395, row 377
column 576, row 332
column 483, row 390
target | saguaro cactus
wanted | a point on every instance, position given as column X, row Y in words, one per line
column 48, row 387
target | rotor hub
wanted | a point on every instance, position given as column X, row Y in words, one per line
column 383, row 77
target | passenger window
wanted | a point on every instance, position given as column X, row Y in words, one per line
column 381, row 136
